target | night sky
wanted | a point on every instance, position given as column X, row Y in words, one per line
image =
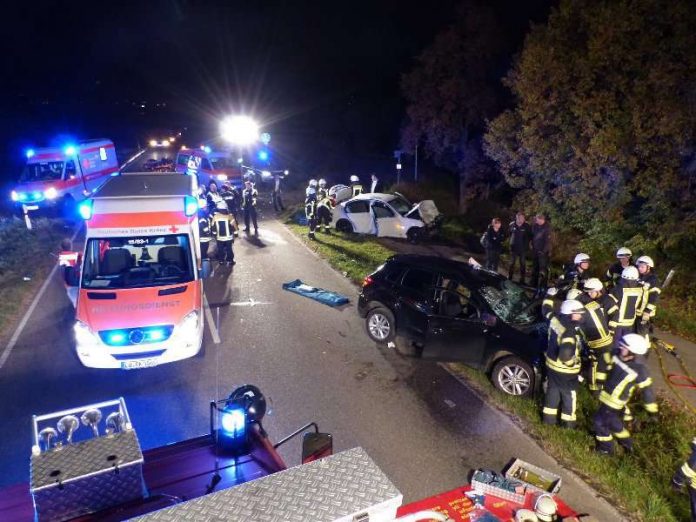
column 321, row 76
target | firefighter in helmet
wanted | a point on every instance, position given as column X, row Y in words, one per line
column 623, row 260
column 311, row 207
column 355, row 185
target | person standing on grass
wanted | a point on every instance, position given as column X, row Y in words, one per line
column 541, row 251
column 686, row 476
column 520, row 233
column 493, row 243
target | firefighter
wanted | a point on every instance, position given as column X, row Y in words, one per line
column 551, row 303
column 223, row 230
column 563, row 365
column 324, row 207
column 686, row 475
column 204, row 231
column 596, row 333
column 231, row 197
column 214, row 198
column 628, row 365
column 575, row 276
column 355, row 185
column 651, row 295
column 249, row 195
column 624, row 303
column 311, row 207
column 623, row 256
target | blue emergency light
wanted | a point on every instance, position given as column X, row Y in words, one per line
column 116, row 338
column 155, row 334
column 70, row 150
column 190, row 206
column 232, row 433
column 30, row 153
column 263, row 155
column 207, row 149
column 85, row 209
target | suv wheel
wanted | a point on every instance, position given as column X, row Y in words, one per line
column 380, row 325
column 513, row 376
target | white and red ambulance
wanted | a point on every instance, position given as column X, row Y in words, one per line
column 55, row 177
column 209, row 165
column 139, row 284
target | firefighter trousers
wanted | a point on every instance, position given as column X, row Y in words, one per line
column 324, row 217
column 608, row 425
column 600, row 364
column 561, row 393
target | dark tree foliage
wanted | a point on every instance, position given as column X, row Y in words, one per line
column 602, row 132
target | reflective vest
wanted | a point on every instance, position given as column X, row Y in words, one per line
column 357, row 189
column 310, row 206
column 204, row 229
column 618, row 387
column 223, row 227
column 626, row 303
column 249, row 197
column 595, row 325
column 651, row 294
column 563, row 352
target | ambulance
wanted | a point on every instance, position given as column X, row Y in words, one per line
column 139, row 281
column 210, row 165
column 59, row 177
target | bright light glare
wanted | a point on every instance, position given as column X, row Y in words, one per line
column 233, row 421
column 116, row 338
column 70, row 150
column 85, row 209
column 155, row 335
column 239, row 130
column 165, row 143
column 30, row 153
column 14, row 196
column 51, row 193
column 207, row 149
column 190, row 205
column 265, row 174
column 153, row 143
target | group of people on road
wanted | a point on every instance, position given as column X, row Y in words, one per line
column 218, row 211
column 603, row 328
column 521, row 237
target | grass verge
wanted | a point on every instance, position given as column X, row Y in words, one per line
column 24, row 261
column 637, row 484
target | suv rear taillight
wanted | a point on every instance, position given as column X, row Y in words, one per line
column 368, row 281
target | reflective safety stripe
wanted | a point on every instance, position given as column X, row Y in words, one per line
column 623, row 434
column 562, row 368
column 687, row 471
column 607, row 340
column 550, row 411
column 647, row 382
column 651, row 407
column 601, row 438
column 566, row 417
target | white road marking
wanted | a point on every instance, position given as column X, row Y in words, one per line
column 211, row 324
column 25, row 318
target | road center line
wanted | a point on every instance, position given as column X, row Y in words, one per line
column 209, row 319
column 20, row 327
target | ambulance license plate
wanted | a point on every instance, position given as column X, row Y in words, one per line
column 139, row 363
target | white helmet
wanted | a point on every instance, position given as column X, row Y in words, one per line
column 572, row 306
column 623, row 252
column 551, row 291
column 354, row 179
column 322, row 182
column 635, row 343
column 630, row 273
column 581, row 258
column 573, row 293
column 312, row 182
column 593, row 284
column 647, row 260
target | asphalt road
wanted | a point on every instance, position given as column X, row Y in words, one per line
column 423, row 427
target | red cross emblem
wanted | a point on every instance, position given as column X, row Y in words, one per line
column 173, row 229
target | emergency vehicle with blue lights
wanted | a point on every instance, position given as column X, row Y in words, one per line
column 54, row 177
column 138, row 286
column 210, row 165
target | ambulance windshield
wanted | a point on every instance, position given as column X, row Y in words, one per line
column 221, row 163
column 136, row 262
column 49, row 171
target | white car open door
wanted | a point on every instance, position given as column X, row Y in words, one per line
column 360, row 216
column 387, row 221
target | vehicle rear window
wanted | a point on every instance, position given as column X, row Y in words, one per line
column 419, row 280
column 358, row 207
column 392, row 272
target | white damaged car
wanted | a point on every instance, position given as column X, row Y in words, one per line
column 386, row 215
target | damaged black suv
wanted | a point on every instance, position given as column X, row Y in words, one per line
column 445, row 310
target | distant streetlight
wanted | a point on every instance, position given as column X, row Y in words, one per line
column 239, row 130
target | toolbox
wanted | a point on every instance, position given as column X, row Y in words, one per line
column 535, row 478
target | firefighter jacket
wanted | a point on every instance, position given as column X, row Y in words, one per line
column 311, row 206
column 563, row 352
column 573, row 278
column 231, row 197
column 322, row 193
column 357, row 189
column 249, row 196
column 619, row 386
column 215, row 202
column 223, row 227
column 550, row 306
column 613, row 275
column 595, row 324
column 687, row 472
column 204, row 229
column 624, row 299
column 651, row 294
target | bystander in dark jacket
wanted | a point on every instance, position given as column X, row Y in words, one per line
column 493, row 243
column 541, row 250
column 520, row 233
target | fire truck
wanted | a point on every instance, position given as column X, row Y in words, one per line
column 58, row 177
column 137, row 287
column 87, row 464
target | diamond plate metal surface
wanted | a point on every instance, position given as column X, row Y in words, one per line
column 324, row 490
column 80, row 478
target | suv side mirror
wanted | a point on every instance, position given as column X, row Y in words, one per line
column 316, row 446
column 206, row 269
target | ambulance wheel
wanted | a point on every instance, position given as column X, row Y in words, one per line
column 344, row 225
column 513, row 376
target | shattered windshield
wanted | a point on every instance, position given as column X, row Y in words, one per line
column 509, row 301
column 135, row 262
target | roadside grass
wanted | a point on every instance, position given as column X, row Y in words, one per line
column 24, row 254
column 637, row 484
column 677, row 315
